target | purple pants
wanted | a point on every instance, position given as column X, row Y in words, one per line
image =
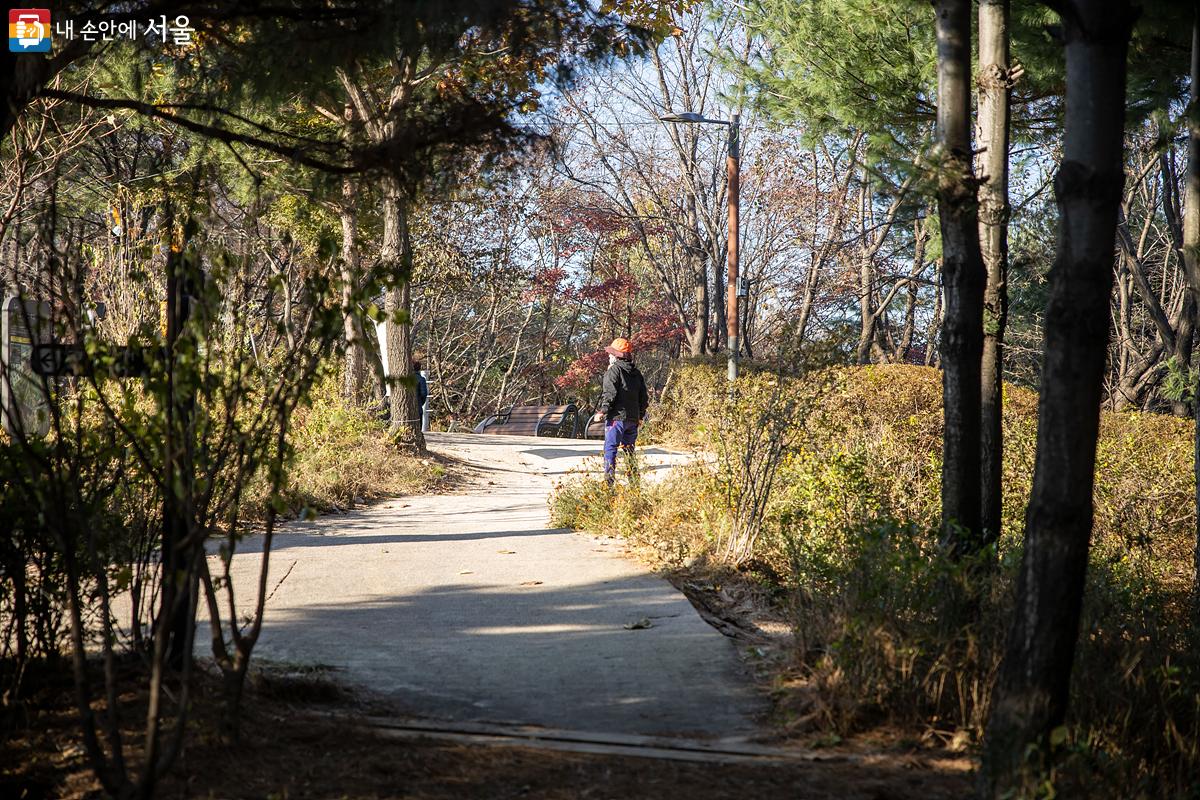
column 619, row 433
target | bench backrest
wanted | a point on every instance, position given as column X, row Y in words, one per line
column 531, row 420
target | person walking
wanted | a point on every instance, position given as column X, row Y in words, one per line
column 623, row 403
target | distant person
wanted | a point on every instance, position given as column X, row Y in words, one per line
column 623, row 404
column 422, row 392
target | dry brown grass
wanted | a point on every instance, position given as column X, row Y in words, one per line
column 344, row 458
column 890, row 416
column 851, row 553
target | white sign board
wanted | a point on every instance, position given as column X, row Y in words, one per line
column 24, row 395
column 381, row 333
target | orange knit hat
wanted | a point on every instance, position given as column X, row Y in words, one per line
column 621, row 348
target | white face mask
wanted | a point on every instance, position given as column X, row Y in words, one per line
column 611, row 359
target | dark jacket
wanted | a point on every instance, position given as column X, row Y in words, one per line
column 624, row 396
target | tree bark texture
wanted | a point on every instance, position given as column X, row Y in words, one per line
column 697, row 261
column 396, row 252
column 963, row 276
column 1185, row 318
column 920, row 240
column 1140, row 374
column 354, row 384
column 866, row 312
column 933, row 358
column 994, row 82
column 1030, row 698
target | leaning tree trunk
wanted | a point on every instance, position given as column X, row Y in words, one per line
column 994, row 81
column 1031, row 694
column 396, row 253
column 963, row 276
column 1191, row 260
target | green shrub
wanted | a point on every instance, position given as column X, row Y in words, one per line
column 642, row 512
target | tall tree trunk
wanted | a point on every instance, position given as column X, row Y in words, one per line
column 1184, row 340
column 717, row 299
column 866, row 311
column 698, row 262
column 920, row 240
column 178, row 574
column 808, row 298
column 1031, row 695
column 396, row 253
column 698, row 332
column 994, row 81
column 1191, row 260
column 746, row 327
column 900, row 353
column 355, row 377
column 717, row 294
column 933, row 358
column 962, row 268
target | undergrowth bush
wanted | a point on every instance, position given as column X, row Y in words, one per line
column 642, row 513
column 342, row 457
column 850, row 534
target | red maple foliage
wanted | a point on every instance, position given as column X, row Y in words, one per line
column 654, row 325
column 545, row 285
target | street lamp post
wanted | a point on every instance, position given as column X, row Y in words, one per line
column 733, row 171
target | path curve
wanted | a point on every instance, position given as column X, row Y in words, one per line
column 466, row 607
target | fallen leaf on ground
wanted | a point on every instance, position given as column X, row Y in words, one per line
column 507, row 552
column 641, row 624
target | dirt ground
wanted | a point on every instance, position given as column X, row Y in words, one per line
column 291, row 748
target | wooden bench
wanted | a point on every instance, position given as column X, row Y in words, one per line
column 589, row 428
column 593, row 429
column 561, row 421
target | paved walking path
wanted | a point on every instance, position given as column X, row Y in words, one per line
column 465, row 607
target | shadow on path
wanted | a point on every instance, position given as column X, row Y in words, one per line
column 285, row 541
column 554, row 656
